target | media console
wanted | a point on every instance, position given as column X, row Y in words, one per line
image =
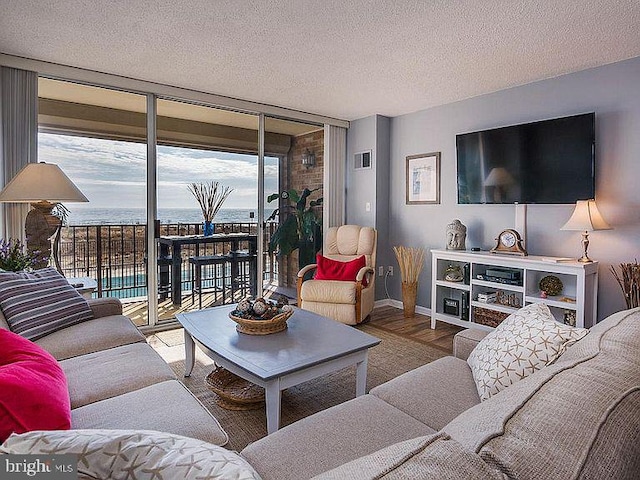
column 497, row 285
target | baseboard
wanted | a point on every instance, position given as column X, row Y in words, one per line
column 390, row 302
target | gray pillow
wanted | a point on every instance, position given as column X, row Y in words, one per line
column 38, row 303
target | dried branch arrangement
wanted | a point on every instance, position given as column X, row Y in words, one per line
column 410, row 261
column 210, row 196
column 629, row 281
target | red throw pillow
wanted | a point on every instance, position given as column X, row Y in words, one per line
column 329, row 269
column 33, row 388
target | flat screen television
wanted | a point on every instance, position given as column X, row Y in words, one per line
column 551, row 161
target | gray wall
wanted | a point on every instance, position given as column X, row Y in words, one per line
column 370, row 185
column 612, row 92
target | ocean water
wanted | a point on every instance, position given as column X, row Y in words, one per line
column 133, row 216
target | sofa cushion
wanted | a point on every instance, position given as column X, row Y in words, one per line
column 329, row 269
column 91, row 376
column 146, row 408
column 434, row 457
column 574, row 411
column 91, row 336
column 446, row 386
column 135, row 454
column 330, row 438
column 33, row 388
column 38, row 303
column 524, row 342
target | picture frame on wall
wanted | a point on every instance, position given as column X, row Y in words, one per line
column 423, row 178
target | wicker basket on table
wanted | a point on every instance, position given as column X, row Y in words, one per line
column 485, row 316
column 259, row 326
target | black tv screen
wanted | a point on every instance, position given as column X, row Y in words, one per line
column 551, row 161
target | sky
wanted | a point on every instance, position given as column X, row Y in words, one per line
column 112, row 174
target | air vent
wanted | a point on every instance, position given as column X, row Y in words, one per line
column 362, row 160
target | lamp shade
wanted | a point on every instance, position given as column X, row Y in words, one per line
column 41, row 182
column 586, row 217
column 498, row 177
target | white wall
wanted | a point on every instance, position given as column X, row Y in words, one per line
column 612, row 92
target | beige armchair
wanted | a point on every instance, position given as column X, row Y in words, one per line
column 345, row 301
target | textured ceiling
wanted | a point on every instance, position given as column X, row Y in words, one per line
column 344, row 59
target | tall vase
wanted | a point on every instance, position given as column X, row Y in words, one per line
column 208, row 228
column 409, row 293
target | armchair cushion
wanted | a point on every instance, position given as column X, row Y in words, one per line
column 329, row 269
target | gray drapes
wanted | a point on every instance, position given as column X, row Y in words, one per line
column 335, row 151
column 18, row 139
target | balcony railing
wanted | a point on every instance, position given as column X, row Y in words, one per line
column 115, row 255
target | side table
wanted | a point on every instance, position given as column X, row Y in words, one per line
column 84, row 285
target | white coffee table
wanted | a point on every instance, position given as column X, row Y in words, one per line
column 310, row 347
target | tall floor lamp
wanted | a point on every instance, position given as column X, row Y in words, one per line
column 43, row 185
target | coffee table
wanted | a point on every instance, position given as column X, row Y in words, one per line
column 310, row 347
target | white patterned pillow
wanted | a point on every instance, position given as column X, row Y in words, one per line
column 524, row 342
column 141, row 454
column 38, row 303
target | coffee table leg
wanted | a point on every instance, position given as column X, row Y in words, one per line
column 361, row 376
column 272, row 400
column 189, row 354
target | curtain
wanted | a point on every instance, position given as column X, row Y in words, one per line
column 18, row 139
column 335, row 153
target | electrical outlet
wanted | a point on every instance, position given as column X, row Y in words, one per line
column 390, row 270
column 380, row 271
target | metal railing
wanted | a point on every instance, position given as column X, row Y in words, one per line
column 115, row 255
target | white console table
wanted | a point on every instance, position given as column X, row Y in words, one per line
column 579, row 293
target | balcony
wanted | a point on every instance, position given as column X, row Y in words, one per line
column 115, row 256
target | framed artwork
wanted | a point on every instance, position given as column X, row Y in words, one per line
column 423, row 178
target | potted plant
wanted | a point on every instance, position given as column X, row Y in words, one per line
column 299, row 229
column 210, row 197
column 13, row 257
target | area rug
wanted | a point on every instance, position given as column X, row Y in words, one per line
column 394, row 356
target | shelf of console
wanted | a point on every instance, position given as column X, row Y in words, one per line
column 520, row 282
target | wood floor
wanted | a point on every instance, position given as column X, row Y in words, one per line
column 386, row 318
column 417, row 328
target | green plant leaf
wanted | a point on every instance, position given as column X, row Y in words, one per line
column 294, row 196
column 273, row 214
column 272, row 197
column 285, row 239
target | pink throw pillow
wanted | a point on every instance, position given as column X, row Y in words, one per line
column 33, row 388
column 329, row 269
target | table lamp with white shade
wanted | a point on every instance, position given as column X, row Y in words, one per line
column 43, row 185
column 586, row 218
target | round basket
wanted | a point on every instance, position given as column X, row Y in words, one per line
column 551, row 285
column 258, row 326
column 233, row 392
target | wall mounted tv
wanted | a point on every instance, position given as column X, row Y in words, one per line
column 551, row 161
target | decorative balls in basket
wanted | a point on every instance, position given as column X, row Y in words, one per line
column 260, row 317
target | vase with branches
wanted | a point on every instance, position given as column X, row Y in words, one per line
column 410, row 261
column 629, row 281
column 210, row 197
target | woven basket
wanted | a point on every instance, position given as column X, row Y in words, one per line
column 233, row 392
column 259, row 326
column 485, row 316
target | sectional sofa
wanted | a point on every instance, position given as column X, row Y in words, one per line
column 117, row 381
column 576, row 418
